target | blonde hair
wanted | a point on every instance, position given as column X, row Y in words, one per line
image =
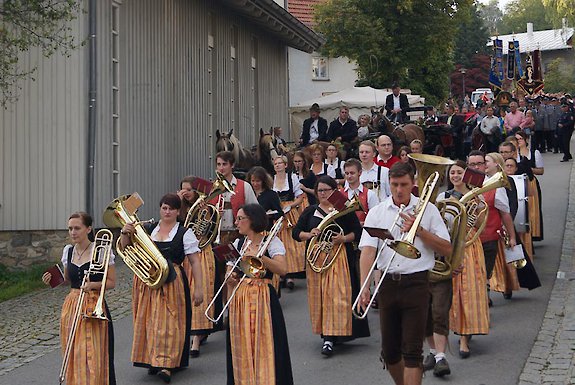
column 497, row 158
column 370, row 144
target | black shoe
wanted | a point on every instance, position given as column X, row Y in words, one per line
column 441, row 368
column 429, row 362
column 327, row 350
column 556, row 152
column 464, row 354
column 564, row 160
column 165, row 375
column 508, row 295
column 490, row 303
column 194, row 353
column 290, row 285
column 153, row 371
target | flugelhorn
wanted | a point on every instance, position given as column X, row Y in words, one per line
column 251, row 267
column 98, row 265
column 518, row 264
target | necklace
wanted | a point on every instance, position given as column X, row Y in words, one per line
column 82, row 253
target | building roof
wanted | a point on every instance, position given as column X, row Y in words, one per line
column 303, row 10
column 547, row 40
column 274, row 19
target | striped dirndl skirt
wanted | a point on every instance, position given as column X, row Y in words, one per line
column 161, row 323
column 91, row 359
column 469, row 313
column 200, row 323
column 504, row 277
column 295, row 251
column 534, row 208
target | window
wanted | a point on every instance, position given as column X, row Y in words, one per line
column 319, row 68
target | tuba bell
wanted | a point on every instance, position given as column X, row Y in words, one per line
column 142, row 256
column 321, row 252
column 204, row 220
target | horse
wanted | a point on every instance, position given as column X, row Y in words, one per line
column 244, row 159
column 400, row 134
column 266, row 150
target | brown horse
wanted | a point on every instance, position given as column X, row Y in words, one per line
column 266, row 150
column 244, row 159
column 401, row 134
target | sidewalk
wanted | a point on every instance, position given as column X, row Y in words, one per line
column 552, row 358
column 29, row 326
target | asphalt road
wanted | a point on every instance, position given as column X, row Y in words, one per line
column 497, row 358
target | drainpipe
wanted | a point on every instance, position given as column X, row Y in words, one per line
column 92, row 85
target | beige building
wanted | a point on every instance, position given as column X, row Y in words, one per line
column 136, row 108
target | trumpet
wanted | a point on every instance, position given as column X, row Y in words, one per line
column 251, row 267
column 98, row 265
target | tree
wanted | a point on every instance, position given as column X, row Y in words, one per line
column 394, row 41
column 492, row 15
column 559, row 77
column 476, row 75
column 32, row 23
column 520, row 12
column 471, row 38
column 559, row 9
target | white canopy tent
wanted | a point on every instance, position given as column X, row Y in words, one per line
column 359, row 100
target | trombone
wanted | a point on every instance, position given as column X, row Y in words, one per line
column 98, row 264
column 251, row 267
column 404, row 246
column 354, row 308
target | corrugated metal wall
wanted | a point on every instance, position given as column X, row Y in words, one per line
column 42, row 142
column 175, row 90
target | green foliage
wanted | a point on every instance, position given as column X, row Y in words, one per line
column 560, row 77
column 471, row 38
column 520, row 12
column 16, row 283
column 492, row 15
column 32, row 23
column 559, row 9
column 394, row 41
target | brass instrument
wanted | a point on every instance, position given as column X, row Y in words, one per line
column 354, row 307
column 142, row 256
column 427, row 165
column 321, row 253
column 204, row 220
column 98, row 264
column 251, row 267
column 518, row 264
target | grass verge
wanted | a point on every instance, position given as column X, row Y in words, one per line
column 16, row 283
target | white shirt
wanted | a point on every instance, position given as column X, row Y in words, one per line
column 295, row 183
column 372, row 199
column 396, row 102
column 276, row 247
column 335, row 163
column 227, row 214
column 501, row 200
column 190, row 240
column 382, row 216
column 64, row 258
column 313, row 131
column 538, row 158
column 371, row 176
column 330, row 171
column 490, row 126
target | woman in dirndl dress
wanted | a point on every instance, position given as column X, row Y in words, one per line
column 201, row 326
column 257, row 344
column 301, row 167
column 538, row 168
column 330, row 292
column 288, row 188
column 469, row 313
column 91, row 358
column 162, row 316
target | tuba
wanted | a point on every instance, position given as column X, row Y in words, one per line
column 142, row 256
column 204, row 220
column 98, row 265
column 321, row 253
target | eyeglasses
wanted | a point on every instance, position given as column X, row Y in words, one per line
column 505, row 152
column 240, row 218
column 386, row 144
column 519, row 138
column 324, row 190
column 297, row 161
column 476, row 164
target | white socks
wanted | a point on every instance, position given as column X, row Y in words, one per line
column 439, row 357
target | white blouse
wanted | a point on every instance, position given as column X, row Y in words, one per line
column 295, row 183
column 276, row 247
column 64, row 259
column 190, row 240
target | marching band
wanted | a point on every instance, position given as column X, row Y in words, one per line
column 218, row 246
